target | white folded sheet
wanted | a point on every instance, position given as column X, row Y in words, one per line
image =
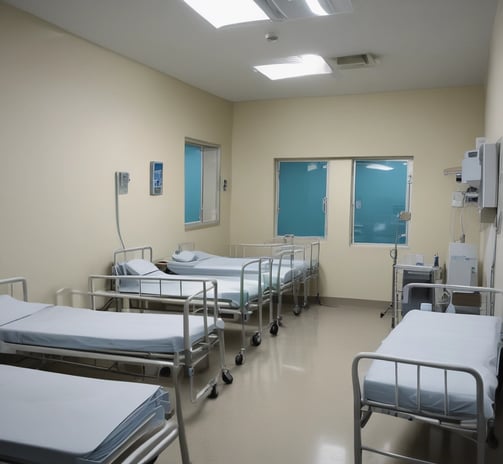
column 49, row 418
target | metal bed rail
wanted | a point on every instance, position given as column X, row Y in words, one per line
column 285, row 261
column 248, row 250
column 448, row 291
column 197, row 303
column 12, row 284
column 257, row 270
column 282, row 255
column 475, row 424
column 307, row 250
column 123, row 254
column 176, row 362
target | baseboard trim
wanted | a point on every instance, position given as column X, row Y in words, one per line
column 334, row 301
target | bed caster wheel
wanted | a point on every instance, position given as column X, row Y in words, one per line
column 297, row 310
column 492, row 440
column 227, row 377
column 165, row 372
column 274, row 328
column 239, row 359
column 214, row 392
column 256, row 339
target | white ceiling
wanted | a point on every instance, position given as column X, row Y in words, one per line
column 419, row 44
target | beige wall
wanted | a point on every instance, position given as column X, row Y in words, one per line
column 494, row 122
column 435, row 127
column 71, row 115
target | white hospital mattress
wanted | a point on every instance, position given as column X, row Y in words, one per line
column 225, row 266
column 465, row 340
column 49, row 418
column 229, row 288
column 84, row 329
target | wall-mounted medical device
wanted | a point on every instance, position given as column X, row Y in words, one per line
column 480, row 169
column 121, row 182
column 462, row 264
column 156, row 178
column 471, row 169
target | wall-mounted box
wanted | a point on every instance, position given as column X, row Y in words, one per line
column 471, row 171
column 488, row 190
column 479, row 169
column 462, row 264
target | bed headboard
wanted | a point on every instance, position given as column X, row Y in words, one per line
column 125, row 254
column 14, row 286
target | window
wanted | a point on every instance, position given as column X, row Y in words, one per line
column 202, row 178
column 380, row 193
column 301, row 198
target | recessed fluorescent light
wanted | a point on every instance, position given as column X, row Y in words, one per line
column 221, row 13
column 316, row 8
column 295, row 66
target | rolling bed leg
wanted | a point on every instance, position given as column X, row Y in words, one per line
column 182, row 437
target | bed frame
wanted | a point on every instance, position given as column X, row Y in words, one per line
column 242, row 314
column 475, row 426
column 283, row 249
column 142, row 445
column 186, row 361
column 289, row 247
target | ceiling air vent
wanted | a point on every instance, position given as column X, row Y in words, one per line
column 363, row 60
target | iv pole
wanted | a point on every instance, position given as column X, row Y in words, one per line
column 402, row 216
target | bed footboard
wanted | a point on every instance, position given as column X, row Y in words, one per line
column 475, row 423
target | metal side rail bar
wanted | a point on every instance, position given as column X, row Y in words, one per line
column 364, row 407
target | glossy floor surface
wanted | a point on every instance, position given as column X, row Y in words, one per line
column 292, row 402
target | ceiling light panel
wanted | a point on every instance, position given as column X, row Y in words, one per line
column 297, row 9
column 221, row 13
column 295, row 66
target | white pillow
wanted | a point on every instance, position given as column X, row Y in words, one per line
column 140, row 267
column 184, row 256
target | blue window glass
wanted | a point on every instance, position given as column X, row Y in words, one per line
column 193, row 183
column 202, row 184
column 380, row 194
column 302, row 187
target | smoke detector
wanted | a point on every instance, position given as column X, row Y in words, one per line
column 363, row 60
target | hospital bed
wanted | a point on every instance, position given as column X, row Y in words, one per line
column 311, row 256
column 303, row 248
column 438, row 367
column 290, row 268
column 237, row 296
column 174, row 341
column 52, row 418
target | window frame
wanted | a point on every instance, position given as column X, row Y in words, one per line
column 209, row 202
column 408, row 184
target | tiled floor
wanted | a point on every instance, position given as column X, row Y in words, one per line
column 291, row 401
